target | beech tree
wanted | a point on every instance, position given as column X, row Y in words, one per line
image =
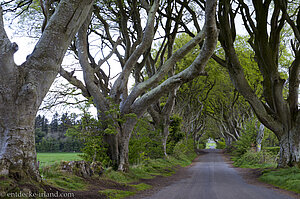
column 265, row 22
column 133, row 51
column 22, row 88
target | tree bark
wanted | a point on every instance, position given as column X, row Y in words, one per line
column 125, row 134
column 289, row 142
column 22, row 88
column 259, row 137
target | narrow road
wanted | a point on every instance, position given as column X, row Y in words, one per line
column 212, row 178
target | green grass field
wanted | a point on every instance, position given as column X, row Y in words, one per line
column 46, row 159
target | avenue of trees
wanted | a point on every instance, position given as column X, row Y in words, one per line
column 266, row 23
column 194, row 77
column 136, row 23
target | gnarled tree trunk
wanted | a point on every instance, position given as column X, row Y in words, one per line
column 289, row 142
column 22, row 88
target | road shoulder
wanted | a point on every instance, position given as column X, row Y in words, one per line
column 251, row 176
column 159, row 182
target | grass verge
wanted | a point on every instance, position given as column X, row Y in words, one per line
column 150, row 168
column 52, row 175
column 116, row 194
column 126, row 184
column 286, row 178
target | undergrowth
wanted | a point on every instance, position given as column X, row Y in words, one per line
column 182, row 156
column 285, row 178
column 252, row 159
column 52, row 175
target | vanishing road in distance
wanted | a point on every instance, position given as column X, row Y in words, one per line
column 212, row 178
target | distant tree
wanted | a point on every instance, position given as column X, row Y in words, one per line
column 54, row 123
column 39, row 135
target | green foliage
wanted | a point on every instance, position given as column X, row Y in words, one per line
column 51, row 137
column 141, row 186
column 270, row 139
column 53, row 176
column 149, row 168
column 201, row 146
column 184, row 149
column 273, row 150
column 116, row 194
column 152, row 167
column 210, row 145
column 246, row 140
column 221, row 144
column 39, row 134
column 89, row 132
column 175, row 133
column 252, row 159
column 288, row 178
column 144, row 143
column 48, row 145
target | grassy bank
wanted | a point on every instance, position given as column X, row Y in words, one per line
column 112, row 184
column 287, row 178
column 149, row 169
column 284, row 178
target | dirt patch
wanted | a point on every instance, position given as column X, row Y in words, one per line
column 251, row 176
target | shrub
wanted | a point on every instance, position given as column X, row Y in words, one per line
column 273, row 150
column 175, row 133
column 221, row 144
column 201, row 146
column 144, row 143
column 247, row 138
column 183, row 148
column 252, row 158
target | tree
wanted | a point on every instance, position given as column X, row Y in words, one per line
column 278, row 109
column 214, row 97
column 22, row 88
column 54, row 123
column 135, row 56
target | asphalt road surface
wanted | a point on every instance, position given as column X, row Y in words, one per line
column 212, row 178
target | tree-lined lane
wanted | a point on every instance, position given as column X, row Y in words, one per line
column 212, row 178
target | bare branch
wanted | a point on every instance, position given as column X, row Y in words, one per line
column 74, row 81
column 120, row 85
column 88, row 70
column 195, row 69
column 102, row 61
